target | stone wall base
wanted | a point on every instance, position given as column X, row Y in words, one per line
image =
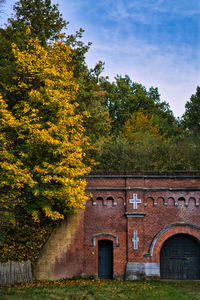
column 136, row 271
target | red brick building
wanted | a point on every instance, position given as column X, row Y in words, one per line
column 136, row 226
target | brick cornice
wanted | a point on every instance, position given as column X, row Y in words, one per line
column 175, row 175
column 111, row 188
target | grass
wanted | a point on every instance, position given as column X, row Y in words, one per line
column 103, row 290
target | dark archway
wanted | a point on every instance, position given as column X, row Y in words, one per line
column 180, row 258
column 105, row 259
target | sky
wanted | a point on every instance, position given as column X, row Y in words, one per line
column 155, row 42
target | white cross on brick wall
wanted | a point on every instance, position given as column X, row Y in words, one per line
column 135, row 201
column 135, row 240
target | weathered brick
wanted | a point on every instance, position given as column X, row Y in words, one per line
column 169, row 205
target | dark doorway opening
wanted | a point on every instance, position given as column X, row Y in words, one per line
column 180, row 258
column 105, row 259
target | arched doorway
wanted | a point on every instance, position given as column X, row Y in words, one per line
column 105, row 259
column 180, row 258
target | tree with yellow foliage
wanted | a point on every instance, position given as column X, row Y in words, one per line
column 138, row 126
column 41, row 137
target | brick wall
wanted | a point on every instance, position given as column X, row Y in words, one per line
column 62, row 256
column 167, row 204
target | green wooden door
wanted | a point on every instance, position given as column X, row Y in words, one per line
column 180, row 258
column 105, row 259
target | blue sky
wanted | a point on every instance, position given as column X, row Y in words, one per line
column 155, row 42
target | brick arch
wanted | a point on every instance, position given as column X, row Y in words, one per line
column 195, row 200
column 101, row 199
column 104, row 234
column 149, row 201
column 110, row 198
column 192, row 199
column 161, row 200
column 167, row 232
column 173, row 200
column 120, row 198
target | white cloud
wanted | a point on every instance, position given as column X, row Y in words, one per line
column 169, row 70
column 148, row 11
column 146, row 39
column 167, row 61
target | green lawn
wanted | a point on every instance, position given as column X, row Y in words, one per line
column 106, row 290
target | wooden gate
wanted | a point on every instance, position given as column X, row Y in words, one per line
column 180, row 258
column 105, row 259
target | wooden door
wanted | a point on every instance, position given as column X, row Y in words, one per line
column 105, row 259
column 180, row 258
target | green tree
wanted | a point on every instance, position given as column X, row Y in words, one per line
column 191, row 117
column 90, row 97
column 43, row 18
column 38, row 17
column 124, row 97
column 148, row 153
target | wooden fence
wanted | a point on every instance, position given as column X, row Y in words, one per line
column 13, row 272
